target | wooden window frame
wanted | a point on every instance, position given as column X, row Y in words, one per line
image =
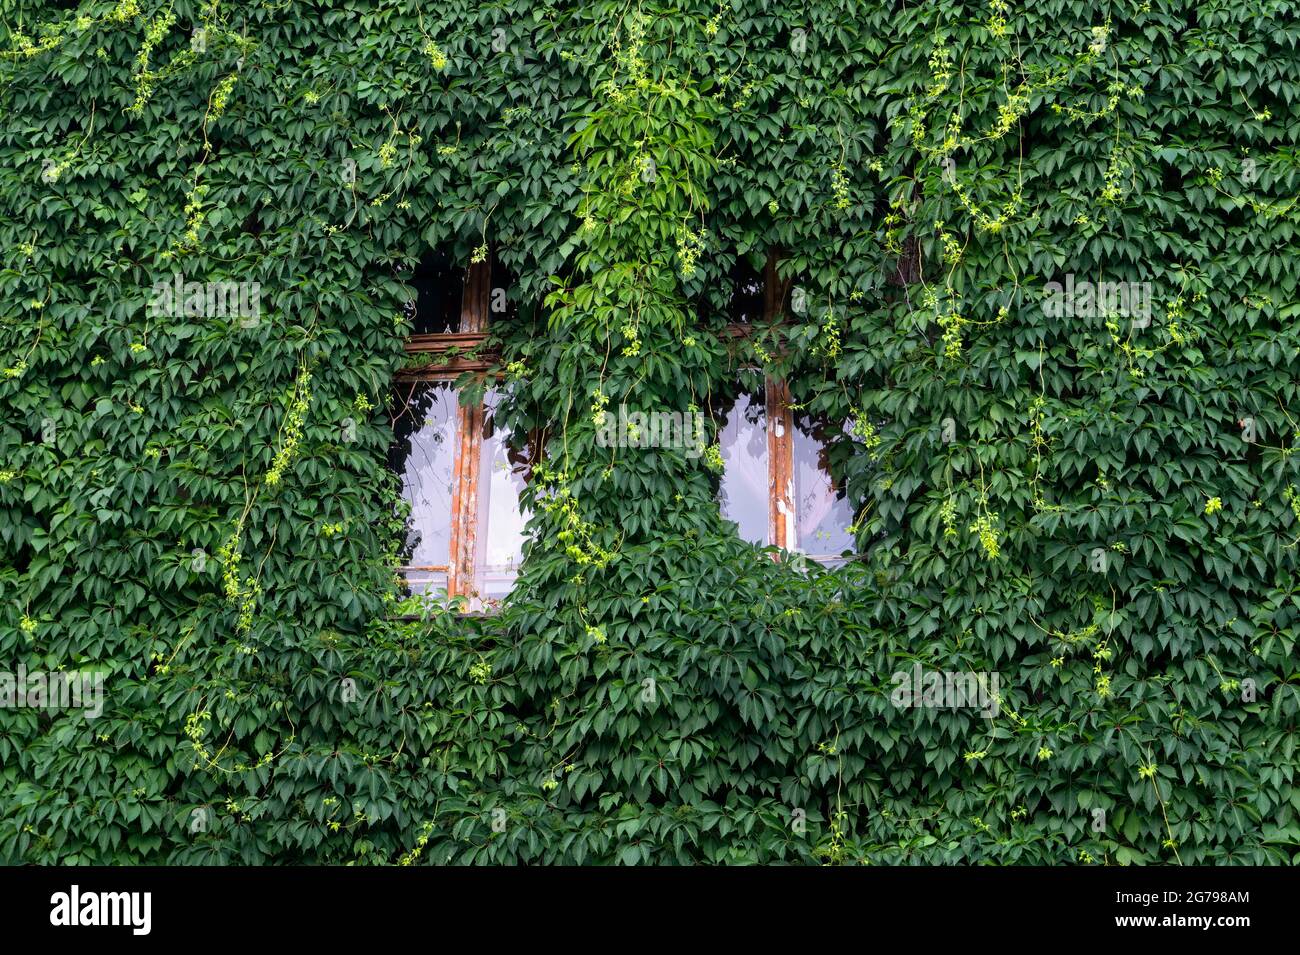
column 465, row 351
column 783, row 517
column 451, row 348
column 782, row 521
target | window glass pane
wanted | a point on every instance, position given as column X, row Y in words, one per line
column 501, row 520
column 823, row 511
column 737, row 295
column 424, row 454
column 746, row 301
column 439, row 287
column 745, row 483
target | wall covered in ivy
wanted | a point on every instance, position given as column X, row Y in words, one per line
column 1043, row 262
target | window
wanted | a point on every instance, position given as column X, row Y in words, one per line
column 822, row 510
column 745, row 491
column 776, row 482
column 427, row 426
column 465, row 531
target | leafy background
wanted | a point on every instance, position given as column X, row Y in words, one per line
column 200, row 507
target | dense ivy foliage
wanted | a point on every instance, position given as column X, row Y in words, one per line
column 1095, row 502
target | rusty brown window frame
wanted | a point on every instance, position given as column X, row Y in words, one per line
column 466, row 350
column 781, row 518
column 456, row 353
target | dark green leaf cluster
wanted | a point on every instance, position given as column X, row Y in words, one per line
column 1087, row 502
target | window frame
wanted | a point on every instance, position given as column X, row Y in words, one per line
column 471, row 337
column 783, row 516
column 782, row 521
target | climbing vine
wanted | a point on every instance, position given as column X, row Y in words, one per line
column 1040, row 262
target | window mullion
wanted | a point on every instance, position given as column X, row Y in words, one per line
column 465, row 499
column 457, row 485
column 781, row 520
column 780, row 467
column 775, row 524
column 474, row 306
column 465, row 507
